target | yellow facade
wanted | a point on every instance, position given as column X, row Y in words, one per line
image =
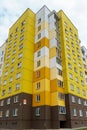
column 44, row 99
column 71, row 55
column 19, row 58
column 44, row 73
column 43, row 42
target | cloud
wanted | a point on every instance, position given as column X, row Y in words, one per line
column 10, row 10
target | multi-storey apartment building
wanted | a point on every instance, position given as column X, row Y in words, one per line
column 2, row 55
column 84, row 56
column 17, row 77
column 43, row 84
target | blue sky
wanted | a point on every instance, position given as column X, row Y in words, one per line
column 10, row 10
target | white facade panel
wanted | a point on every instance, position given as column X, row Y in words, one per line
column 53, row 43
column 44, row 33
column 53, row 63
column 43, row 52
column 43, row 14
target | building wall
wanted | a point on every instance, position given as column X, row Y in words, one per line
column 2, row 55
column 18, row 67
column 17, row 77
column 43, row 81
column 84, row 57
column 73, row 70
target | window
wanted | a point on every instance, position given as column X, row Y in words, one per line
column 15, row 36
column 18, row 75
column 9, row 89
column 37, row 111
column 78, row 90
column 82, row 82
column 14, row 52
column 9, row 49
column 85, row 113
column 71, row 37
column 73, row 99
column 21, row 46
column 22, row 30
column 59, row 72
column 24, row 101
column 85, row 103
column 81, row 74
column 61, row 96
column 38, row 44
column 68, row 55
column 73, row 52
column 11, row 79
column 1, row 113
column 72, row 87
column 7, row 64
column 83, row 93
column 22, row 37
column 86, row 80
column 12, row 69
column 39, row 20
column 19, row 65
column 17, row 86
column 38, row 63
column 13, row 60
column 15, row 99
column 38, row 53
column 20, row 55
column 74, row 112
column 3, row 92
column 67, row 46
column 79, row 57
column 15, row 44
column 79, row 101
column 6, row 73
column 10, row 41
column 23, row 23
column 7, row 113
column 8, row 101
column 76, row 79
column 70, row 76
column 80, row 113
column 69, row 66
column 67, row 39
column 66, row 31
column 80, row 65
column 75, row 69
column 62, row 110
column 5, row 82
column 8, row 56
column 58, row 60
column 16, row 30
column 15, row 112
column 2, row 103
column 60, row 83
column 38, row 74
column 74, row 60
column 71, row 30
column 39, row 28
column 39, row 35
column 37, row 98
column 65, row 23
column 11, row 35
column 38, row 85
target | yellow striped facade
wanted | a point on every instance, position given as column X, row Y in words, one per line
column 73, row 69
column 19, row 59
column 41, row 62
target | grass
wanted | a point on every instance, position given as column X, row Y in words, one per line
column 83, row 129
